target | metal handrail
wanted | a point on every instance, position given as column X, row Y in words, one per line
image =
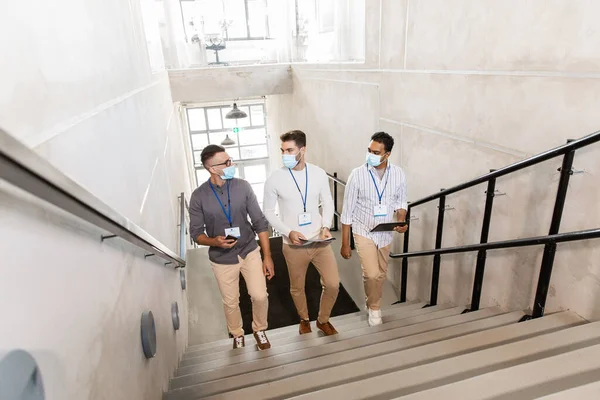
column 507, row 244
column 26, row 170
column 528, row 162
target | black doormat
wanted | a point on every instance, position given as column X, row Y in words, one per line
column 282, row 311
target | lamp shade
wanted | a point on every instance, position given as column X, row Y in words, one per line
column 227, row 141
column 235, row 113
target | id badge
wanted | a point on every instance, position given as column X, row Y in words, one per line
column 380, row 210
column 304, row 219
column 235, row 232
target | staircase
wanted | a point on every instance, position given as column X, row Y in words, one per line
column 417, row 353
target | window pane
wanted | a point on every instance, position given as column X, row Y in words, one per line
column 202, row 175
column 257, row 18
column 214, row 118
column 199, row 141
column 257, row 115
column 235, row 12
column 255, row 173
column 253, row 136
column 254, row 152
column 259, row 191
column 196, row 119
column 231, row 123
column 197, row 158
column 234, row 153
column 217, row 138
column 244, row 121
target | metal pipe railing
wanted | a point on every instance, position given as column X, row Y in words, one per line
column 26, row 170
column 506, row 244
column 568, row 153
column 337, row 215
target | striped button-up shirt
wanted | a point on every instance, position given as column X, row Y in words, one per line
column 361, row 197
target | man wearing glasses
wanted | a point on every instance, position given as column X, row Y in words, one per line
column 219, row 211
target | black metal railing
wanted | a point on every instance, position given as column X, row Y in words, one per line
column 336, row 214
column 28, row 171
column 550, row 241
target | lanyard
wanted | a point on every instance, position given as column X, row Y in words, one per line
column 380, row 195
column 227, row 214
column 305, row 190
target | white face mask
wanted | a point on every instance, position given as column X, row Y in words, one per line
column 373, row 160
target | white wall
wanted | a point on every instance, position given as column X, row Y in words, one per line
column 202, row 85
column 466, row 88
column 78, row 88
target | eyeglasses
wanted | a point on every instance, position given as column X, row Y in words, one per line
column 227, row 163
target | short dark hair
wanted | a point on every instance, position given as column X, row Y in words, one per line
column 209, row 151
column 297, row 136
column 386, row 139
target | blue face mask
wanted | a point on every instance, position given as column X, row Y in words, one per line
column 228, row 173
column 289, row 160
column 373, row 160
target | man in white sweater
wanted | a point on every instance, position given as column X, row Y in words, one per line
column 300, row 188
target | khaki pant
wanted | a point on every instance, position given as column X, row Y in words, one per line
column 374, row 264
column 228, row 279
column 298, row 258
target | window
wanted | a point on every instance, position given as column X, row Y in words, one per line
column 208, row 125
column 234, row 19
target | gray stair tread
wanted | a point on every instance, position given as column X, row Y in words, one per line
column 465, row 366
column 193, row 358
column 292, row 330
column 531, row 380
column 190, row 366
column 381, row 333
column 589, row 391
column 379, row 358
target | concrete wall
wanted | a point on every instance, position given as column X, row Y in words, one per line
column 78, row 88
column 466, row 88
column 203, row 85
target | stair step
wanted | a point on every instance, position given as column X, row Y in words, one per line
column 290, row 334
column 490, row 361
column 589, row 391
column 527, row 381
column 379, row 358
column 292, row 330
column 192, row 358
column 381, row 333
column 190, row 366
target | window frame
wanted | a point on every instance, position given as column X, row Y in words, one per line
column 236, row 38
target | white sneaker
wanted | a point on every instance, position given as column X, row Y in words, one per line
column 374, row 317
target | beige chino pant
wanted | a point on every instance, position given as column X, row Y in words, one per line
column 374, row 263
column 321, row 255
column 228, row 279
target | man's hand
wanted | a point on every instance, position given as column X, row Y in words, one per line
column 222, row 242
column 295, row 237
column 325, row 233
column 268, row 267
column 401, row 229
column 346, row 251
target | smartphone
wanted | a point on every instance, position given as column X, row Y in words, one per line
column 229, row 237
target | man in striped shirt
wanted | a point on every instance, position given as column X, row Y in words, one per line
column 375, row 194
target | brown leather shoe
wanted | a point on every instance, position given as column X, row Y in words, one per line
column 327, row 328
column 238, row 342
column 262, row 342
column 305, row 326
